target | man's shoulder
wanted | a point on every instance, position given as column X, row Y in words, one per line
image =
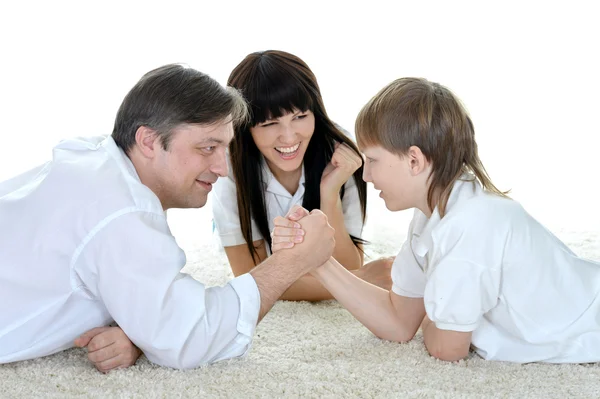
column 96, row 177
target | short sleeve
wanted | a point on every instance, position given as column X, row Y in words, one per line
column 351, row 209
column 226, row 214
column 408, row 278
column 459, row 293
column 464, row 276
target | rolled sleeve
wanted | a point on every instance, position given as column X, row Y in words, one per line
column 132, row 264
column 249, row 301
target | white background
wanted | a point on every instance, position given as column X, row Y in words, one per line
column 528, row 72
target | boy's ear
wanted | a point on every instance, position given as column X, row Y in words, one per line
column 147, row 140
column 418, row 162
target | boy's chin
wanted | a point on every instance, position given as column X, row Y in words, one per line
column 395, row 207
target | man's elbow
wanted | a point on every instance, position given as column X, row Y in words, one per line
column 176, row 362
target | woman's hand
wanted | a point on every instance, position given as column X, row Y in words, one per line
column 344, row 162
column 287, row 231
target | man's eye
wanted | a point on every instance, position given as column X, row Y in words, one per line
column 208, row 149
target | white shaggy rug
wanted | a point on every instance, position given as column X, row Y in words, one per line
column 307, row 350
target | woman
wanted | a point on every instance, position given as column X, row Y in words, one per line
column 289, row 153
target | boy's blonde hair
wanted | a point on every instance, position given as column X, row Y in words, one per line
column 415, row 112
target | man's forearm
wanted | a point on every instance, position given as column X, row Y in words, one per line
column 273, row 277
column 371, row 305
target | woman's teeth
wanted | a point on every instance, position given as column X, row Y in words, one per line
column 288, row 150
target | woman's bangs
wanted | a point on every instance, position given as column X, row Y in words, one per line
column 277, row 96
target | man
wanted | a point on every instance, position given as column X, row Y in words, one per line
column 84, row 240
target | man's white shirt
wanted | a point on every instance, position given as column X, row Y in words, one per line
column 488, row 267
column 84, row 243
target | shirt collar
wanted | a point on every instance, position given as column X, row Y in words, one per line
column 120, row 157
column 273, row 186
column 464, row 188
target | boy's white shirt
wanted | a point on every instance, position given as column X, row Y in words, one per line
column 278, row 202
column 83, row 242
column 488, row 267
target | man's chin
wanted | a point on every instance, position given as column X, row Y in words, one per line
column 192, row 203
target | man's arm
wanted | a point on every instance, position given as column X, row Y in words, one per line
column 276, row 274
column 132, row 265
column 306, row 288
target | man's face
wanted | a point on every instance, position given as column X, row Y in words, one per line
column 195, row 158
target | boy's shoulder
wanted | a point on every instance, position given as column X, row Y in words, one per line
column 485, row 213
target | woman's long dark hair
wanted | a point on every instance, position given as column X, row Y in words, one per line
column 275, row 83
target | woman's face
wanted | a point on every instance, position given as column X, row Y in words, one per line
column 283, row 141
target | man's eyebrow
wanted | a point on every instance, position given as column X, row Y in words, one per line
column 210, row 140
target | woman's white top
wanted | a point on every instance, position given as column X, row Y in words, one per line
column 488, row 267
column 278, row 202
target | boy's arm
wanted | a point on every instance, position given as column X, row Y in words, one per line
column 388, row 315
column 445, row 344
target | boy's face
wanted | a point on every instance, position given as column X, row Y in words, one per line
column 391, row 174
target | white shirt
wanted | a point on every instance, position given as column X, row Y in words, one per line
column 488, row 267
column 84, row 243
column 278, row 202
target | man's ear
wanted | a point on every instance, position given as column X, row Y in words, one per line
column 418, row 162
column 147, row 141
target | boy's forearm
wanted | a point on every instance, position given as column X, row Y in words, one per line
column 345, row 252
column 370, row 304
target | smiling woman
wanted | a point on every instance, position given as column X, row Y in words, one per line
column 290, row 153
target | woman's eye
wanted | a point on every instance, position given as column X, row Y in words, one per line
column 267, row 124
column 301, row 116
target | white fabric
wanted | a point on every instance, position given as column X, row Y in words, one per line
column 488, row 267
column 278, row 202
column 83, row 242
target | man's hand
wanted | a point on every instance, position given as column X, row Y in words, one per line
column 377, row 272
column 109, row 348
column 276, row 274
column 317, row 235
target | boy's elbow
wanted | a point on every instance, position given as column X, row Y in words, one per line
column 395, row 336
column 448, row 354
